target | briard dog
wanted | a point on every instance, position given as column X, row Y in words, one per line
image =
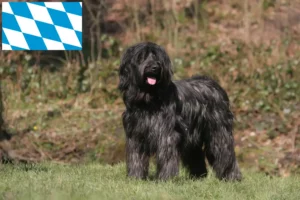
column 185, row 120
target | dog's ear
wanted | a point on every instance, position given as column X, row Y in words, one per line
column 124, row 71
column 168, row 67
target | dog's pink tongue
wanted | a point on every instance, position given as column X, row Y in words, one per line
column 151, row 81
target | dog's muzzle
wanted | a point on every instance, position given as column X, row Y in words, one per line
column 152, row 74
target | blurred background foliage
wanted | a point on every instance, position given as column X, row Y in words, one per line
column 65, row 106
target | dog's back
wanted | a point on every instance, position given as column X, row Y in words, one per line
column 202, row 104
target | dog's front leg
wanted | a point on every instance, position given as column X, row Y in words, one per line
column 137, row 159
column 168, row 156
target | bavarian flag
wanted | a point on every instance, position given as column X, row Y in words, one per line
column 41, row 26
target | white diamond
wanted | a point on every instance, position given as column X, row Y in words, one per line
column 40, row 13
column 28, row 26
column 15, row 38
column 6, row 47
column 76, row 21
column 55, row 5
column 67, row 36
column 6, row 8
column 53, row 45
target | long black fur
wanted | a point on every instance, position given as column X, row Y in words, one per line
column 181, row 120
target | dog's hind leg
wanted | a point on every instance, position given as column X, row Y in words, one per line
column 219, row 149
column 137, row 158
column 193, row 159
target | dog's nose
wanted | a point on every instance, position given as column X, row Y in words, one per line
column 154, row 68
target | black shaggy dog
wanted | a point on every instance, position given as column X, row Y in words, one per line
column 187, row 119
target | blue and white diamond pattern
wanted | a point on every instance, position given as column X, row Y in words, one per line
column 41, row 26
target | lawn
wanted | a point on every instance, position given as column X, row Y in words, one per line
column 95, row 181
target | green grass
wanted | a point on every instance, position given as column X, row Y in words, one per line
column 95, row 181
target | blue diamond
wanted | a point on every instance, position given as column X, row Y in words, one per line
column 60, row 18
column 73, row 7
column 16, row 48
column 4, row 38
column 48, row 31
column 71, row 47
column 34, row 42
column 21, row 9
column 9, row 21
column 79, row 36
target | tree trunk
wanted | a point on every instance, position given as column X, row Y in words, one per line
column 3, row 132
column 4, row 136
column 1, row 112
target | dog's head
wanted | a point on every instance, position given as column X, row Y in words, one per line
column 145, row 65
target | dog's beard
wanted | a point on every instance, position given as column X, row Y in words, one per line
column 150, row 86
column 152, row 78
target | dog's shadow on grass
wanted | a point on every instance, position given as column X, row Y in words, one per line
column 175, row 180
column 32, row 167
